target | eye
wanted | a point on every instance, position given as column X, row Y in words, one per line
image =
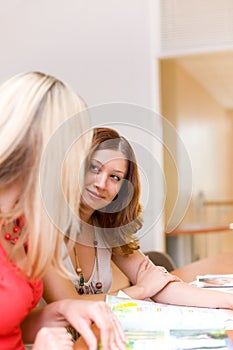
column 115, row 178
column 94, row 168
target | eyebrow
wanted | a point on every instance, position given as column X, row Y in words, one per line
column 118, row 171
column 101, row 164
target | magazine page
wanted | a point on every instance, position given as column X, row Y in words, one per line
column 215, row 281
column 150, row 325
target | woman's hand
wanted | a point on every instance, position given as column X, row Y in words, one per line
column 53, row 338
column 81, row 314
column 150, row 280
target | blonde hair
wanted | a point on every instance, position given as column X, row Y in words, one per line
column 34, row 108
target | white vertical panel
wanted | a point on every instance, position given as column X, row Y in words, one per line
column 191, row 26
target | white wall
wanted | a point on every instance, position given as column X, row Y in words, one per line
column 105, row 49
column 100, row 47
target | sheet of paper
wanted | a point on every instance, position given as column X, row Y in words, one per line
column 150, row 325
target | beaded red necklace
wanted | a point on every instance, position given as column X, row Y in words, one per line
column 12, row 236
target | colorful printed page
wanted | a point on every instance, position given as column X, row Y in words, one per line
column 179, row 340
column 150, row 325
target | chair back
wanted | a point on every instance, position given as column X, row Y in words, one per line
column 161, row 259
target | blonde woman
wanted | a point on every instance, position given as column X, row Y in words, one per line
column 43, row 139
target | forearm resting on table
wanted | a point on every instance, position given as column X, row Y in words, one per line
column 134, row 292
column 138, row 292
column 181, row 293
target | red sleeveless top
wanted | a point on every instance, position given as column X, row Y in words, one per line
column 17, row 298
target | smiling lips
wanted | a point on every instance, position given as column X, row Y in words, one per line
column 94, row 194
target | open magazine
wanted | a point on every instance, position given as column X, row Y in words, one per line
column 216, row 281
column 150, row 325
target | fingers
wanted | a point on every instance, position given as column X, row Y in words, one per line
column 108, row 329
column 144, row 265
column 163, row 269
column 90, row 338
column 111, row 333
column 168, row 275
column 118, row 338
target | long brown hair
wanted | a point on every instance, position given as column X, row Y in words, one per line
column 122, row 217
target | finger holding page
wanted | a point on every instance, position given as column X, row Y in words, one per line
column 108, row 327
column 111, row 333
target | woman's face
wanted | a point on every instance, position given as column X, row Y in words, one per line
column 104, row 178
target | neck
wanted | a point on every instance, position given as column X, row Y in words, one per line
column 86, row 213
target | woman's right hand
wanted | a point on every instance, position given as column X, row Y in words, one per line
column 151, row 279
column 53, row 338
column 81, row 314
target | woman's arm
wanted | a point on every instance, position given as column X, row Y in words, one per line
column 57, row 287
column 147, row 278
column 80, row 315
column 161, row 287
column 119, row 279
column 185, row 294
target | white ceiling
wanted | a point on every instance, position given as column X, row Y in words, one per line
column 214, row 71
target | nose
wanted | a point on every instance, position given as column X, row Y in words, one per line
column 101, row 180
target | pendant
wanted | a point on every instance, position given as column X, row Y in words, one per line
column 81, row 280
column 80, row 291
column 98, row 286
column 81, row 284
